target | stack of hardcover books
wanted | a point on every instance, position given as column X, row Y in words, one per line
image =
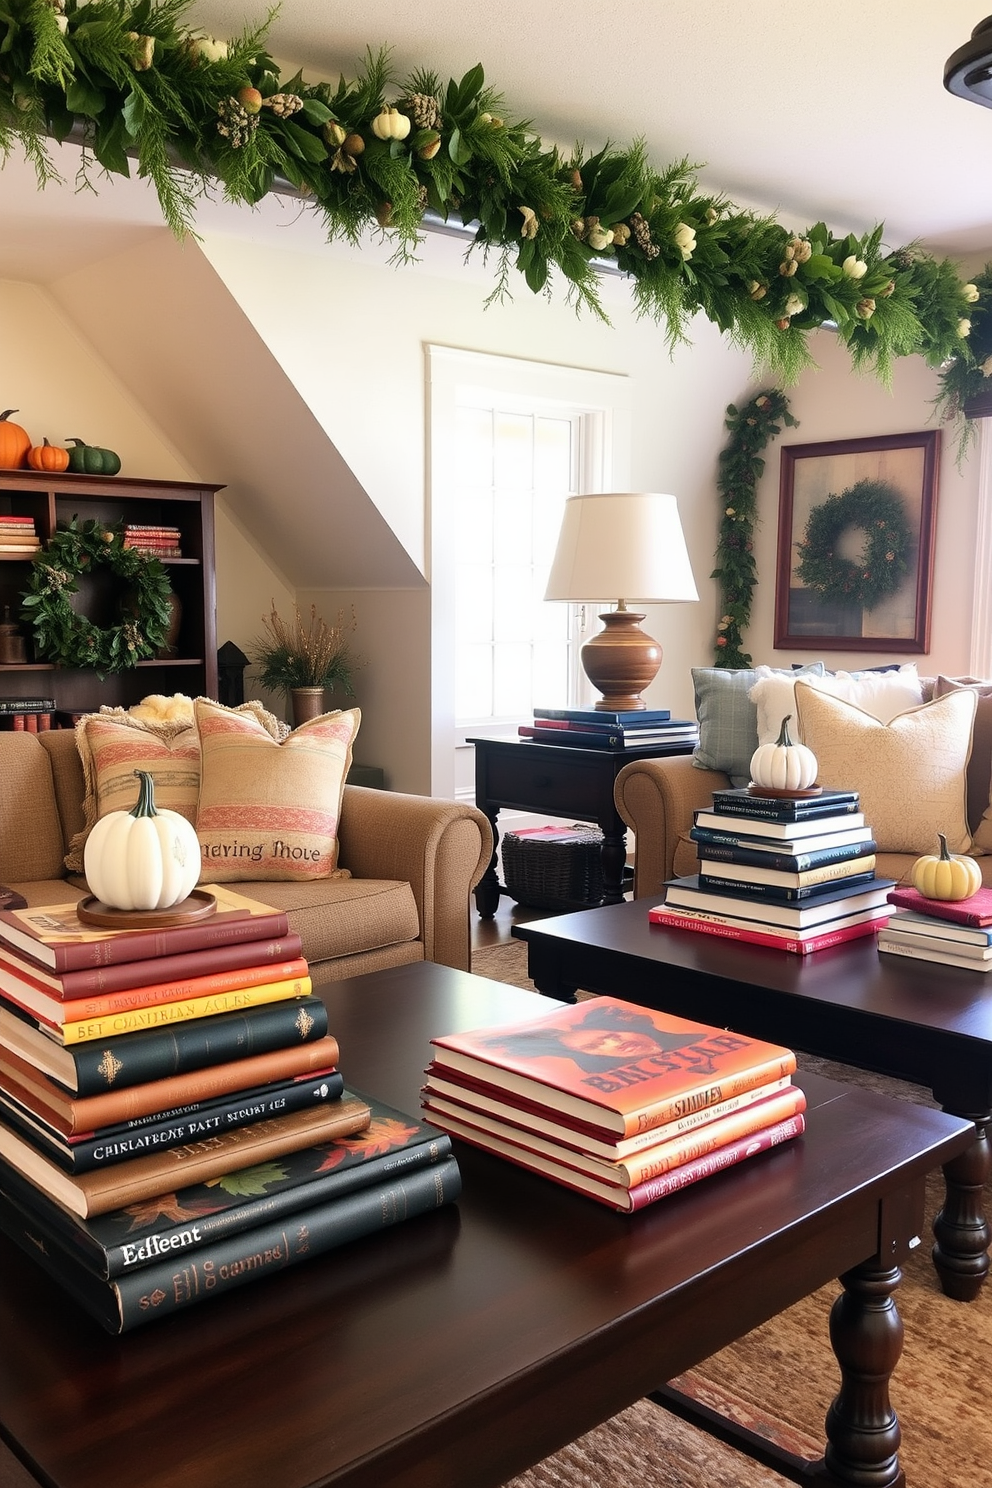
column 18, row 536
column 621, row 1103
column 171, row 1111
column 154, row 541
column 33, row 715
column 796, row 874
column 592, row 728
column 953, row 932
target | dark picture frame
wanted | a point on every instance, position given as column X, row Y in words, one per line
column 841, row 595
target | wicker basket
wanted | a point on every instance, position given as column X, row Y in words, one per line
column 554, row 867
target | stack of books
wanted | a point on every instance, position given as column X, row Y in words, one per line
column 953, row 932
column 18, row 536
column 154, row 541
column 33, row 715
column 797, row 874
column 172, row 1114
column 621, row 1103
column 593, row 728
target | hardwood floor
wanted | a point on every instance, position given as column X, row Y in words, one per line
column 499, row 928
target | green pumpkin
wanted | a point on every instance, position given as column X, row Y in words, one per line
column 90, row 459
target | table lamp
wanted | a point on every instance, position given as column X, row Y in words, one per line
column 623, row 546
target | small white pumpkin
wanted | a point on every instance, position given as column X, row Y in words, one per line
column 783, row 765
column 142, row 858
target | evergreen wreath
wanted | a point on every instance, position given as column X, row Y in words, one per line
column 879, row 510
column 751, row 427
column 71, row 640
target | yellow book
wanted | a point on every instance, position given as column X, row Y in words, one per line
column 159, row 1015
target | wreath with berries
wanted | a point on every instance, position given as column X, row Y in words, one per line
column 880, row 512
column 72, row 640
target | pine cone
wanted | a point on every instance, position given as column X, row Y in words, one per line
column 423, row 109
column 235, row 123
column 283, row 104
column 642, row 235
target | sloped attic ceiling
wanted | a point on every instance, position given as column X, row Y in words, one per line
column 167, row 326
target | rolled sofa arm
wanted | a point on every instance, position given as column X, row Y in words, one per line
column 656, row 798
column 440, row 848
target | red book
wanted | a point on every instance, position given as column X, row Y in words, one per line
column 126, row 976
column 975, row 910
column 620, row 1067
column 54, row 936
column 821, row 941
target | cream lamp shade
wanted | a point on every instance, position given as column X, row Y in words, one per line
column 621, row 546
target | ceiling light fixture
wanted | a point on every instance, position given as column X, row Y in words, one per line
column 968, row 71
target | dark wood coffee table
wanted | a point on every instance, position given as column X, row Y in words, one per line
column 913, row 1019
column 457, row 1349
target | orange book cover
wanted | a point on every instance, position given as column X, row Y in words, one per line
column 620, row 1067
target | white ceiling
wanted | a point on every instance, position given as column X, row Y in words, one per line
column 811, row 111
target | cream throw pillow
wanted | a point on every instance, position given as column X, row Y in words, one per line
column 910, row 773
column 268, row 810
column 882, row 694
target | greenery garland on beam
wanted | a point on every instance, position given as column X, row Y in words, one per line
column 134, row 82
column 741, row 465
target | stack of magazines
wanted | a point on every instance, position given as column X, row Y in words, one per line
column 953, row 932
column 172, row 1119
column 622, row 1103
column 796, row 874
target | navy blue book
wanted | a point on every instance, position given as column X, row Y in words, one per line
column 636, row 718
column 780, row 893
column 741, row 802
column 774, row 857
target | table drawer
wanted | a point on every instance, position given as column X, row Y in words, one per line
column 558, row 785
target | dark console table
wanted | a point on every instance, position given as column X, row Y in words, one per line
column 557, row 780
column 916, row 1020
column 459, row 1348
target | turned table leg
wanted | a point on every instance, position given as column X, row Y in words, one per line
column 862, row 1428
column 487, row 890
column 961, row 1230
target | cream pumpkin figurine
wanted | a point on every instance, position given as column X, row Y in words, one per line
column 946, row 875
column 783, row 765
column 142, row 859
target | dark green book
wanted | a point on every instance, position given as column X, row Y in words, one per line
column 184, row 1279
column 136, row 1058
column 129, row 1239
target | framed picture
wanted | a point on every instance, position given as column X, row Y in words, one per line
column 855, row 543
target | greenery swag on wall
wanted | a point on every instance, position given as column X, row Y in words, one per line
column 741, row 465
column 132, row 80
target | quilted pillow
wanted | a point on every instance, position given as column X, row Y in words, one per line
column 270, row 810
column 728, row 719
column 113, row 743
column 910, row 773
column 882, row 694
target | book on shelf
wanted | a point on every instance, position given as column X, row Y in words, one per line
column 779, row 857
column 141, row 1178
column 775, row 937
column 464, row 1098
column 786, row 878
column 27, row 705
column 925, row 948
column 637, row 1167
column 93, row 982
column 924, row 924
column 29, row 721
column 741, row 802
column 976, row 910
column 173, row 1284
column 55, row 936
column 776, row 893
column 134, row 1058
column 618, row 1067
column 830, row 902
column 131, row 1238
column 591, row 739
column 629, row 1200
column 810, row 829
column 630, row 718
column 136, row 1012
column 85, row 1113
column 79, row 1154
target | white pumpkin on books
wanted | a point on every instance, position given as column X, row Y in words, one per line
column 142, row 859
column 784, row 767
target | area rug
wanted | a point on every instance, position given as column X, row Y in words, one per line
column 780, row 1379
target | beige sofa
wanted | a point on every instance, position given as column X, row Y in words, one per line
column 657, row 798
column 413, row 862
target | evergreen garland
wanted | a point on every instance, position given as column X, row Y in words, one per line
column 741, row 465
column 135, row 82
column 71, row 640
column 879, row 510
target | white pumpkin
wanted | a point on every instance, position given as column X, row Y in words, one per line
column 783, row 765
column 142, row 858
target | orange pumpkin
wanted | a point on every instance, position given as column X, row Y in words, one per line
column 48, row 457
column 14, row 442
